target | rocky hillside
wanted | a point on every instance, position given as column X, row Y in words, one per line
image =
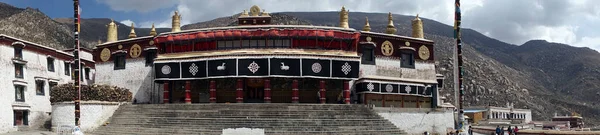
column 545, row 77
column 94, row 29
column 33, row 25
column 277, row 18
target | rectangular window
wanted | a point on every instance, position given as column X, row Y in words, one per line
column 67, row 70
column 20, row 93
column 150, row 55
column 52, row 84
column 87, row 73
column 39, row 87
column 50, row 62
column 20, row 117
column 119, row 61
column 19, row 70
column 407, row 59
column 18, row 52
column 368, row 56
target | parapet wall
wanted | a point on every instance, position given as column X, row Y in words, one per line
column 93, row 114
column 419, row 120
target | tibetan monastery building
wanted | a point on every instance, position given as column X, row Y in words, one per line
column 258, row 62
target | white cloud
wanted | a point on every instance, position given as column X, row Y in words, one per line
column 127, row 22
column 591, row 42
column 142, row 6
column 511, row 21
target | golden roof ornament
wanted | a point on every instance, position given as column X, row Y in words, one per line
column 132, row 33
column 417, row 27
column 176, row 26
column 344, row 18
column 111, row 34
column 264, row 13
column 254, row 10
column 244, row 14
column 391, row 29
column 153, row 30
column 367, row 26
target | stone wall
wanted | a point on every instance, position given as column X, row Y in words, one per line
column 93, row 114
column 137, row 77
column 35, row 69
column 419, row 120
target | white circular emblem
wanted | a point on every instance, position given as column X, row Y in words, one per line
column 389, row 88
column 165, row 69
column 316, row 67
column 253, row 67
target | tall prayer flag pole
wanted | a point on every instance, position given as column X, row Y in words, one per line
column 461, row 93
column 77, row 60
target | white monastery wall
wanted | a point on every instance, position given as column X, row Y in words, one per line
column 93, row 114
column 391, row 68
column 35, row 69
column 137, row 77
column 417, row 121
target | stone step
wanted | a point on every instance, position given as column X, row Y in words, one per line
column 275, row 119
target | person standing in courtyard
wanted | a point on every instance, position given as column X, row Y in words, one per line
column 470, row 131
column 498, row 130
column 509, row 130
column 516, row 130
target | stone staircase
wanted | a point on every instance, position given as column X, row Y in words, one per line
column 152, row 119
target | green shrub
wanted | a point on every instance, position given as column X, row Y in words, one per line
column 68, row 92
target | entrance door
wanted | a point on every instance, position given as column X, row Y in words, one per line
column 254, row 91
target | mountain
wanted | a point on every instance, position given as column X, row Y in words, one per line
column 545, row 77
column 94, row 29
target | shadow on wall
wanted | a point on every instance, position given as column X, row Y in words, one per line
column 147, row 92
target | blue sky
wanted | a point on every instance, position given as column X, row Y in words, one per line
column 574, row 22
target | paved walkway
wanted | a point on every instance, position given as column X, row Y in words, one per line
column 31, row 133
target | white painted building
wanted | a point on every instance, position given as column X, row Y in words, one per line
column 29, row 70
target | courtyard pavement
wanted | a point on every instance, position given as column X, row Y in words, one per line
column 30, row 133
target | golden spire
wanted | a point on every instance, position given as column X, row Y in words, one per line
column 132, row 33
column 153, row 30
column 111, row 34
column 367, row 26
column 391, row 29
column 417, row 27
column 244, row 14
column 344, row 18
column 264, row 13
column 176, row 26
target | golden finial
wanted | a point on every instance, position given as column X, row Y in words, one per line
column 176, row 26
column 132, row 33
column 244, row 14
column 367, row 26
column 391, row 29
column 344, row 18
column 111, row 34
column 264, row 13
column 153, row 30
column 417, row 27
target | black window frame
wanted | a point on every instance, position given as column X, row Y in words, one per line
column 150, row 56
column 67, row 68
column 50, row 63
column 371, row 49
column 22, row 93
column 40, row 88
column 411, row 59
column 24, row 120
column 18, row 52
column 118, row 58
column 87, row 73
column 51, row 84
column 19, row 73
